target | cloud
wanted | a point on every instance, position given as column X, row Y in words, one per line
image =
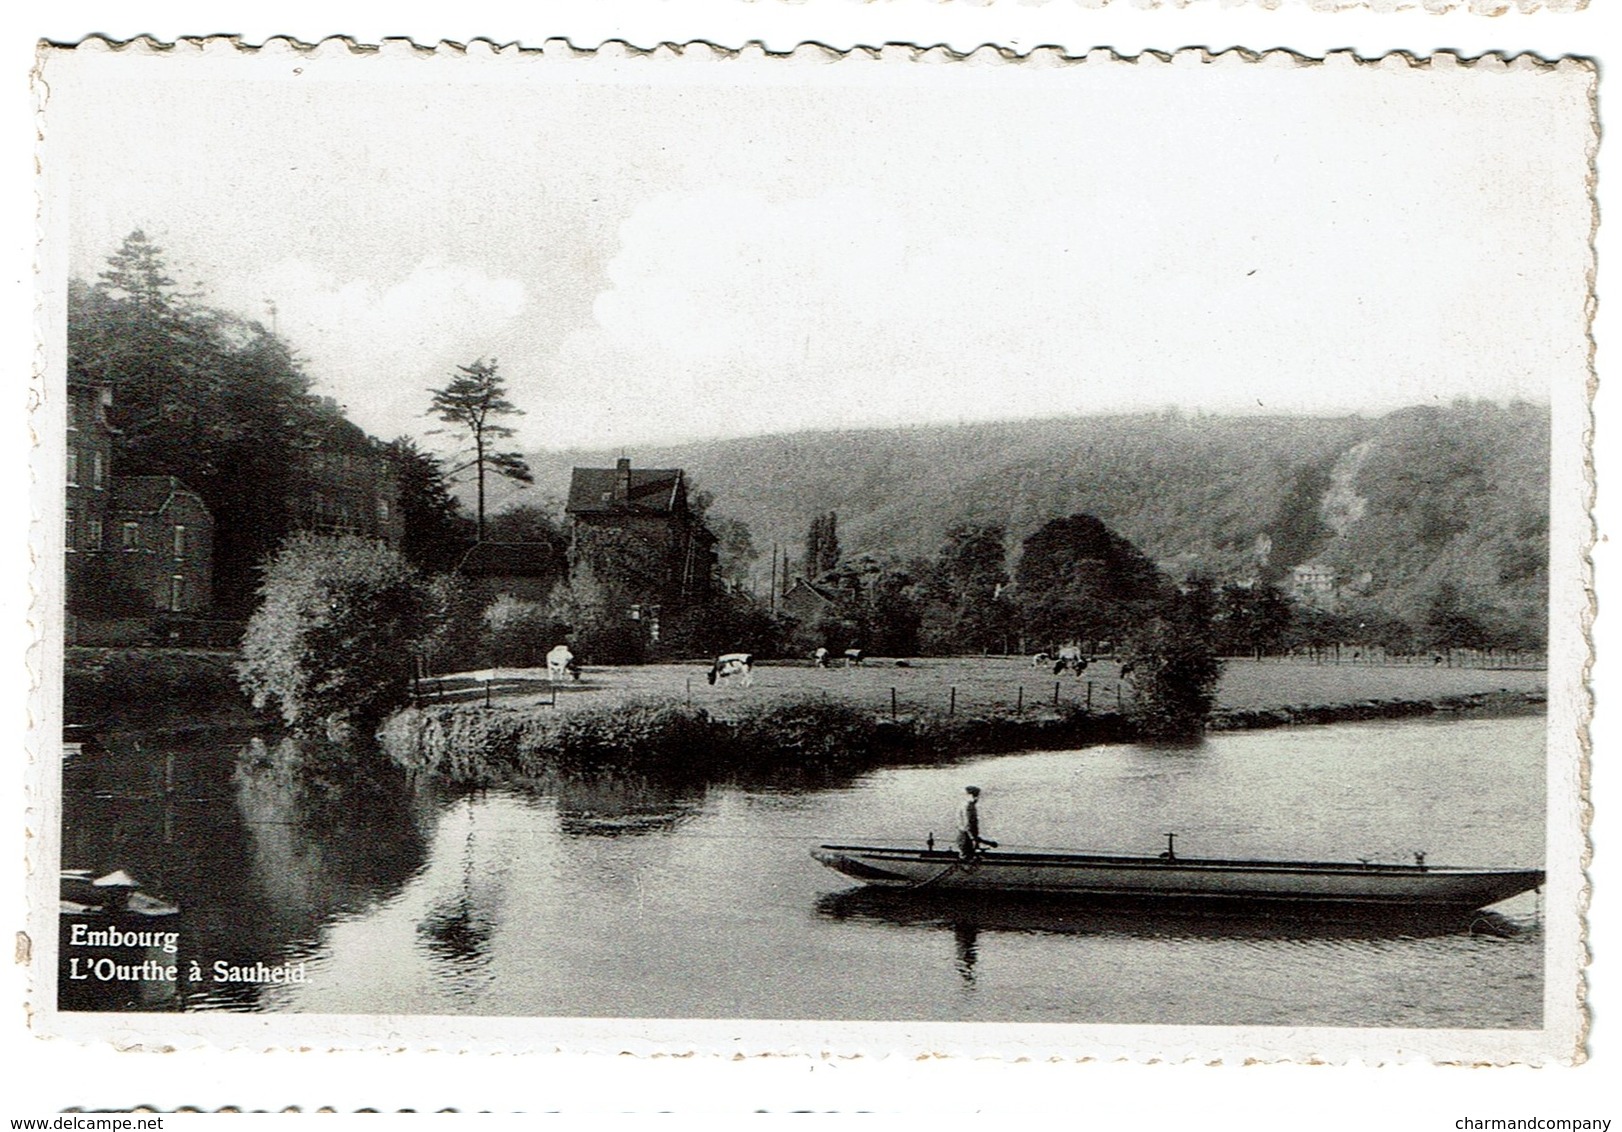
column 380, row 346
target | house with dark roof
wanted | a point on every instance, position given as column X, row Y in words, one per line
column 635, row 528
column 527, row 570
column 160, row 541
column 805, row 602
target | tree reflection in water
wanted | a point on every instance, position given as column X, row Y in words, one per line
column 331, row 832
column 457, row 928
column 617, row 803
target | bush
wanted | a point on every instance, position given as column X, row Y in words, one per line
column 337, row 631
column 1174, row 667
column 804, row 732
column 471, row 744
column 518, row 633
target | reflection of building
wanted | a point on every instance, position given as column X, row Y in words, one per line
column 635, row 529
column 345, row 485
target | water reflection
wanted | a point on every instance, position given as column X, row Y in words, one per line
column 967, row 915
column 258, row 853
column 615, row 803
column 458, row 925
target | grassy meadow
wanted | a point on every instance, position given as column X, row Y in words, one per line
column 974, row 686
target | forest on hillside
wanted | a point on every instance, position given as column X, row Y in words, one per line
column 1433, row 511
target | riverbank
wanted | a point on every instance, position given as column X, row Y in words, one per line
column 470, row 744
column 474, row 744
column 152, row 689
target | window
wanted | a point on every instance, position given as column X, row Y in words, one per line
column 73, row 415
column 73, row 468
column 180, row 540
column 70, row 532
column 98, row 471
column 94, row 542
column 382, row 510
column 132, row 536
column 177, row 587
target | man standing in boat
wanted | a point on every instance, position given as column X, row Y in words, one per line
column 969, row 840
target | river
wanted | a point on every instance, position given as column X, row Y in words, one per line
column 623, row 897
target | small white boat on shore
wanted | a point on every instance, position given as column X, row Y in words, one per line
column 1360, row 884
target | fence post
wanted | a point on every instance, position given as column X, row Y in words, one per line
column 1055, row 693
column 1089, row 695
column 1117, row 697
column 487, row 680
column 892, row 705
column 951, row 704
column 1019, row 703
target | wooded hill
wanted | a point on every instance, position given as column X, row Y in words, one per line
column 1418, row 506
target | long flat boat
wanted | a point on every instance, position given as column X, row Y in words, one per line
column 1368, row 885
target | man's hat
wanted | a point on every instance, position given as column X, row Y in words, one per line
column 972, row 789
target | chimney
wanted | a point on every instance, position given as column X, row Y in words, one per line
column 622, row 480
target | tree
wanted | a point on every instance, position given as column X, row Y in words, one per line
column 530, row 523
column 735, row 549
column 1173, row 665
column 138, row 271
column 473, row 401
column 436, row 532
column 215, row 400
column 1079, row 580
column 334, row 638
column 874, row 608
column 962, row 590
column 822, row 545
column 1252, row 619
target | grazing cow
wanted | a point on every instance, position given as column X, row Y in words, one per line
column 560, row 662
column 740, row 664
column 853, row 658
column 820, row 657
column 1040, row 660
column 1070, row 657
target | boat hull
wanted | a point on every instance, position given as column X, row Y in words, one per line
column 1178, row 879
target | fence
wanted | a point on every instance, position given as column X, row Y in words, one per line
column 1374, row 656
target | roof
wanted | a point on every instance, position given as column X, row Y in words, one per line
column 511, row 560
column 802, row 586
column 147, row 494
column 591, row 490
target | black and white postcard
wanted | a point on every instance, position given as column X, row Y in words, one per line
column 886, row 551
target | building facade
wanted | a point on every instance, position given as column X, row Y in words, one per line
column 635, row 528
column 134, row 545
column 162, row 537
column 345, row 484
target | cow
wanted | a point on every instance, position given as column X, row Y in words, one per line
column 1070, row 657
column 820, row 658
column 739, row 664
column 1040, row 660
column 853, row 658
column 560, row 662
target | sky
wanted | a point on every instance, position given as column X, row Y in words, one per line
column 660, row 250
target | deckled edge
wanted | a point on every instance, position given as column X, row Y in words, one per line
column 807, row 51
column 42, row 685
